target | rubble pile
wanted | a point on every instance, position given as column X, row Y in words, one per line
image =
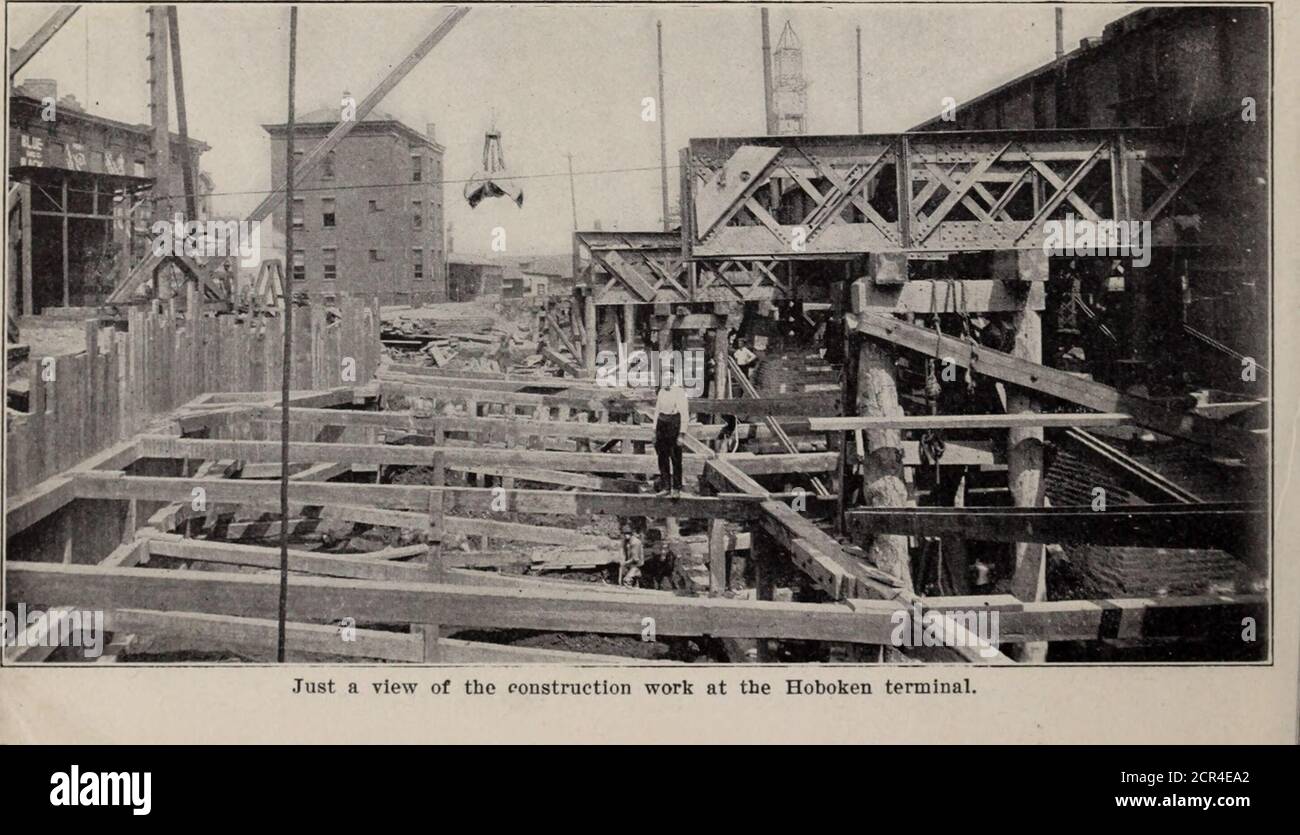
column 465, row 337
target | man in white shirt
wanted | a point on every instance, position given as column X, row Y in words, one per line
column 745, row 359
column 670, row 425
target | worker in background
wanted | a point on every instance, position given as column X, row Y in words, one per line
column 745, row 359
column 629, row 571
column 670, row 426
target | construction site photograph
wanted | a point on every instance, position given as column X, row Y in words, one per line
column 639, row 335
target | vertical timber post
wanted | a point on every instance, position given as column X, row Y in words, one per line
column 26, row 221
column 589, row 337
column 158, row 111
column 629, row 327
column 882, row 466
column 63, row 210
column 762, row 552
column 1025, row 478
column 286, row 380
column 431, row 632
column 720, row 363
column 717, row 557
column 182, row 125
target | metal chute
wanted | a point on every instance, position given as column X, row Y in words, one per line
column 493, row 180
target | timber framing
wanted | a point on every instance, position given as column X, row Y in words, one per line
column 858, row 621
column 146, row 587
column 1060, row 385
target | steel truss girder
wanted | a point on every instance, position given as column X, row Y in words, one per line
column 801, row 196
column 648, row 268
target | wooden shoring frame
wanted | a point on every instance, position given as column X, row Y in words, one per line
column 1061, row 385
column 218, row 606
column 872, row 622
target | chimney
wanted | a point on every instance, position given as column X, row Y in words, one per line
column 1060, row 32
column 431, row 131
column 41, row 88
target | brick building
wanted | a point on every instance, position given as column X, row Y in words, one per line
column 82, row 171
column 369, row 220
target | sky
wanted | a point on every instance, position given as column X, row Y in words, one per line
column 556, row 79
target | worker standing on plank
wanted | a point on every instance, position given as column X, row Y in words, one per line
column 745, row 359
column 670, row 425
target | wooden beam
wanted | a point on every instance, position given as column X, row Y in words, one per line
column 780, row 405
column 1059, row 384
column 928, row 296
column 1028, row 420
column 406, row 497
column 557, row 477
column 327, row 565
column 222, row 632
column 31, row 506
column 1227, row 526
column 162, row 446
column 489, row 428
column 19, row 57
column 615, row 400
column 323, row 598
column 1155, row 487
column 361, row 567
column 1215, row 617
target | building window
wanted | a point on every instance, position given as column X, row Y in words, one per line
column 376, row 255
column 374, row 206
column 417, row 168
column 417, row 206
column 299, row 208
column 327, row 168
column 417, row 260
column 329, row 259
column 299, row 265
column 327, row 212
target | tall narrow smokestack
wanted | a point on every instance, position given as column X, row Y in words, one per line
column 1060, row 32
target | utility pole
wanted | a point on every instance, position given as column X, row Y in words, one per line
column 573, row 199
column 182, row 123
column 859, row 79
column 286, row 382
column 161, row 146
column 1060, row 32
column 769, row 109
column 663, row 131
